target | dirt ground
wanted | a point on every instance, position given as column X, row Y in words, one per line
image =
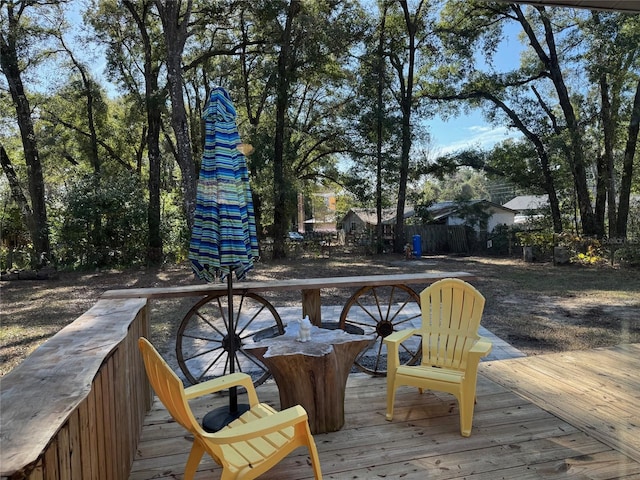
column 537, row 307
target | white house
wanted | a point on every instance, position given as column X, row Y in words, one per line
column 442, row 213
column 453, row 213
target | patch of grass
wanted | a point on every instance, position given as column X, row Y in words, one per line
column 537, row 307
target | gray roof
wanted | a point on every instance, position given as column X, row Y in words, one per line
column 438, row 211
column 444, row 209
column 369, row 215
column 528, row 202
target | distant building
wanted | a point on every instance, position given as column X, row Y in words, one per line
column 319, row 226
column 361, row 220
column 441, row 213
column 528, row 207
column 456, row 213
column 322, row 208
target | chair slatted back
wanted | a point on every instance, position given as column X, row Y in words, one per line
column 451, row 314
column 168, row 386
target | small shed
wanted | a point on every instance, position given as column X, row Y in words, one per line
column 359, row 220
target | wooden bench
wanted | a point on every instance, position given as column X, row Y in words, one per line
column 380, row 305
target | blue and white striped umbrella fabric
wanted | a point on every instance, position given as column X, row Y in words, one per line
column 224, row 232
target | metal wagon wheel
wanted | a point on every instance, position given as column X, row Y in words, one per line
column 382, row 310
column 204, row 341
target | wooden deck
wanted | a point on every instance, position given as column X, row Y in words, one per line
column 570, row 415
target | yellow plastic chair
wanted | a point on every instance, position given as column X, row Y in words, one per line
column 247, row 447
column 451, row 347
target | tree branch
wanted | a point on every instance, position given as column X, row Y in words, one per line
column 54, row 118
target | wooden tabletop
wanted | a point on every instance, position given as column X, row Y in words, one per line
column 291, row 284
column 321, row 343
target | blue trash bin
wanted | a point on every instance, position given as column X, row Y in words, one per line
column 417, row 246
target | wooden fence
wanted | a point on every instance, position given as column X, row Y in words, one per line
column 74, row 408
column 440, row 238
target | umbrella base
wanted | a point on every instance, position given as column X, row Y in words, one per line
column 221, row 417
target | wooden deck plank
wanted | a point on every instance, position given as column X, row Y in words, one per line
column 569, row 385
column 549, row 456
column 551, row 386
column 485, row 460
column 604, row 371
column 515, row 435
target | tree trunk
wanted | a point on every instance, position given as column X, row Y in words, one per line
column 280, row 218
column 627, row 166
column 399, row 237
column 587, row 216
column 96, row 231
column 155, row 244
column 38, row 227
column 153, row 101
column 379, row 132
column 312, row 373
column 406, row 106
column 606, row 186
column 175, row 34
column 576, row 158
column 16, row 191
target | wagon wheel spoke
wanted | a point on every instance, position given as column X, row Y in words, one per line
column 253, row 318
column 213, row 327
column 205, row 370
column 204, row 343
column 205, row 352
column 381, row 311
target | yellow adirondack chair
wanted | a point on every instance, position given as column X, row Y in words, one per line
column 451, row 347
column 247, row 447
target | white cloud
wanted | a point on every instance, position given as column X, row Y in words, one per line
column 478, row 136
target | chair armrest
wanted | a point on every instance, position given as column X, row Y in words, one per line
column 399, row 336
column 482, row 346
column 393, row 342
column 260, row 427
column 223, row 383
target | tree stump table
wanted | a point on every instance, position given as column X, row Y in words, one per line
column 314, row 373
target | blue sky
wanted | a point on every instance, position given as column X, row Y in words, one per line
column 471, row 130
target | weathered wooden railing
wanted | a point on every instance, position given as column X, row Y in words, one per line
column 74, row 408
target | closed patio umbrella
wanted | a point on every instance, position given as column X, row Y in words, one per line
column 223, row 239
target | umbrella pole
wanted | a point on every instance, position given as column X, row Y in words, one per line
column 233, row 391
column 222, row 416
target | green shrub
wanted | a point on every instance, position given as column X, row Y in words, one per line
column 103, row 223
column 583, row 250
column 628, row 255
column 16, row 250
column 174, row 231
column 503, row 237
column 542, row 243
